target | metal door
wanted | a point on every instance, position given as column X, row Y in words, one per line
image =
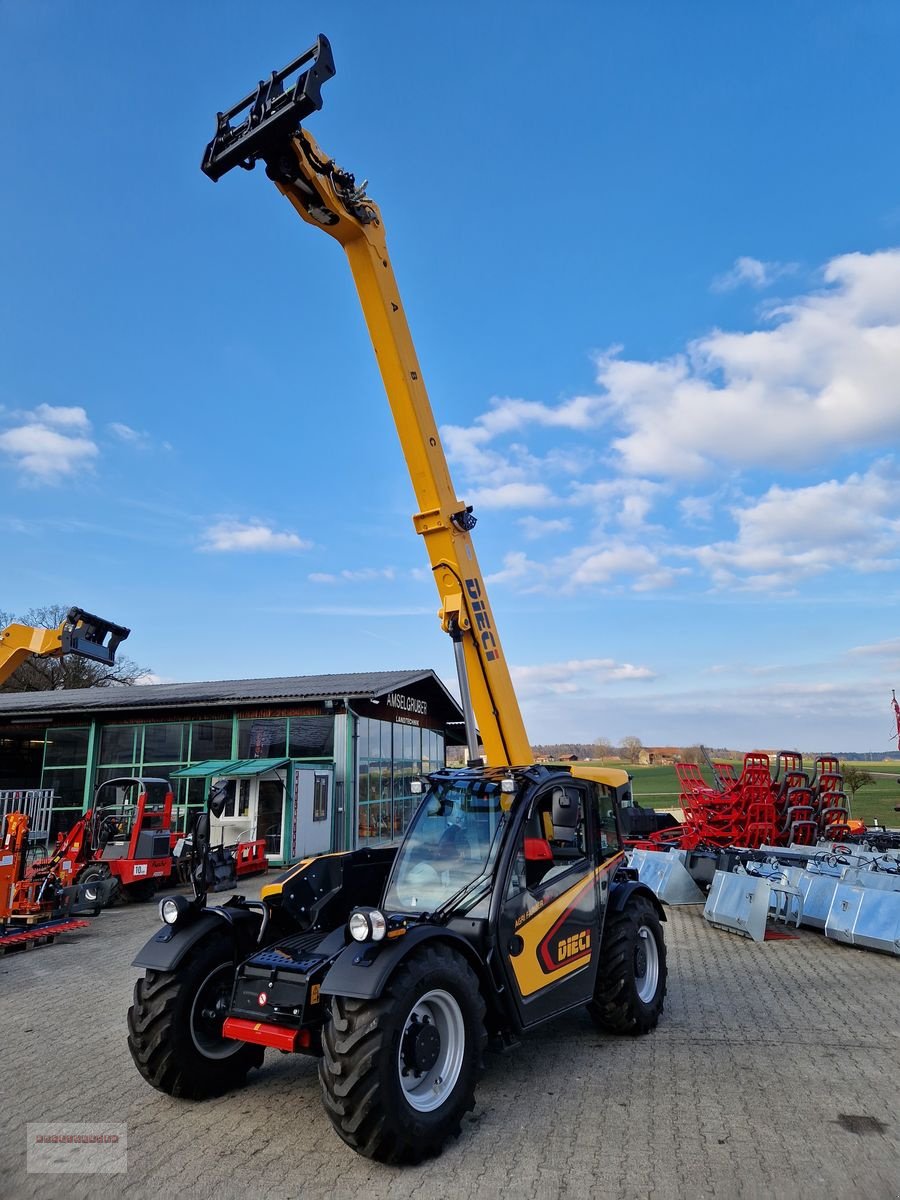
column 550, row 913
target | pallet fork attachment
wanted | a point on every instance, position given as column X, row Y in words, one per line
column 85, row 635
column 273, row 113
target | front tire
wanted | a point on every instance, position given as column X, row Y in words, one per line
column 175, row 1023
column 398, row 1073
column 631, row 975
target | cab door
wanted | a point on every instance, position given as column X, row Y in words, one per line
column 550, row 923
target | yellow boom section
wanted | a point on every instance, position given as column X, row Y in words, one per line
column 267, row 126
column 81, row 634
column 460, row 584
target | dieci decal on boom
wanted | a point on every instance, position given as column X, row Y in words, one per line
column 482, row 620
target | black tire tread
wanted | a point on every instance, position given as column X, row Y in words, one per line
column 615, row 1007
column 353, row 1042
column 157, row 1037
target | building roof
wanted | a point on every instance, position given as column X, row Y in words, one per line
column 356, row 685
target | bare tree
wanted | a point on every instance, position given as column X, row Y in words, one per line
column 631, row 748
column 56, row 674
column 602, row 748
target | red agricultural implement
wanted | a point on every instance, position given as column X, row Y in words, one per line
column 127, row 838
column 785, row 806
column 36, row 908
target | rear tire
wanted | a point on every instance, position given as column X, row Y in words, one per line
column 144, row 890
column 398, row 1073
column 631, row 975
column 174, row 1026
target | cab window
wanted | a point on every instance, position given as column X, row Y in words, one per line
column 556, row 831
column 604, row 812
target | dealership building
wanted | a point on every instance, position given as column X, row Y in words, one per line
column 309, row 763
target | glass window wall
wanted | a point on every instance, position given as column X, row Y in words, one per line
column 389, row 758
column 67, row 747
column 311, row 737
column 262, row 738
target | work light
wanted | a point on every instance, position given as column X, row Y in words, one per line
column 367, row 925
column 171, row 908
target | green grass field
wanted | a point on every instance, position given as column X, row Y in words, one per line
column 657, row 787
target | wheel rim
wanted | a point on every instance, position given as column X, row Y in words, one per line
column 209, row 1010
column 432, row 1049
column 646, row 964
column 91, row 878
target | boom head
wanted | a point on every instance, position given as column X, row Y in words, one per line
column 272, row 114
column 85, row 636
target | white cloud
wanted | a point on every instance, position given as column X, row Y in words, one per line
column 816, row 718
column 61, row 416
column 230, row 536
column 516, row 566
column 469, row 447
column 363, row 574
column 575, row 676
column 601, row 566
column 752, row 272
column 626, row 502
column 889, row 650
column 45, row 454
column 824, row 380
column 513, row 495
column 125, row 433
column 696, row 510
column 791, row 534
column 536, row 527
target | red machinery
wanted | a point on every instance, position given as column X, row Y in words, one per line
column 126, row 836
column 760, row 806
column 36, row 908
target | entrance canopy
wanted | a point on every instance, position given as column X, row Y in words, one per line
column 230, row 767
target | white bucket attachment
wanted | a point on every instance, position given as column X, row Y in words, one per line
column 866, row 913
column 665, row 874
column 744, row 903
column 817, row 889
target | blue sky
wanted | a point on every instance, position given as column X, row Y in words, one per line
column 649, row 256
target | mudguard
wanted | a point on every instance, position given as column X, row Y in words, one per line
column 362, row 969
column 621, row 893
column 171, row 943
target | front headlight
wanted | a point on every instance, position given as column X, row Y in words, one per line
column 359, row 926
column 378, row 924
column 367, row 924
column 171, row 908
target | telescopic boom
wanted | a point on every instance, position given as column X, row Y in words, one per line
column 265, row 126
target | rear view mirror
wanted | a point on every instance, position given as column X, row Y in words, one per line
column 201, row 829
column 218, row 798
column 538, row 850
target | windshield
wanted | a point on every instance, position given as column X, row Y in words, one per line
column 452, row 840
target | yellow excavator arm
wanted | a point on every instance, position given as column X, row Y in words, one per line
column 81, row 634
column 329, row 199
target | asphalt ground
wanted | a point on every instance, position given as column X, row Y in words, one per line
column 773, row 1073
